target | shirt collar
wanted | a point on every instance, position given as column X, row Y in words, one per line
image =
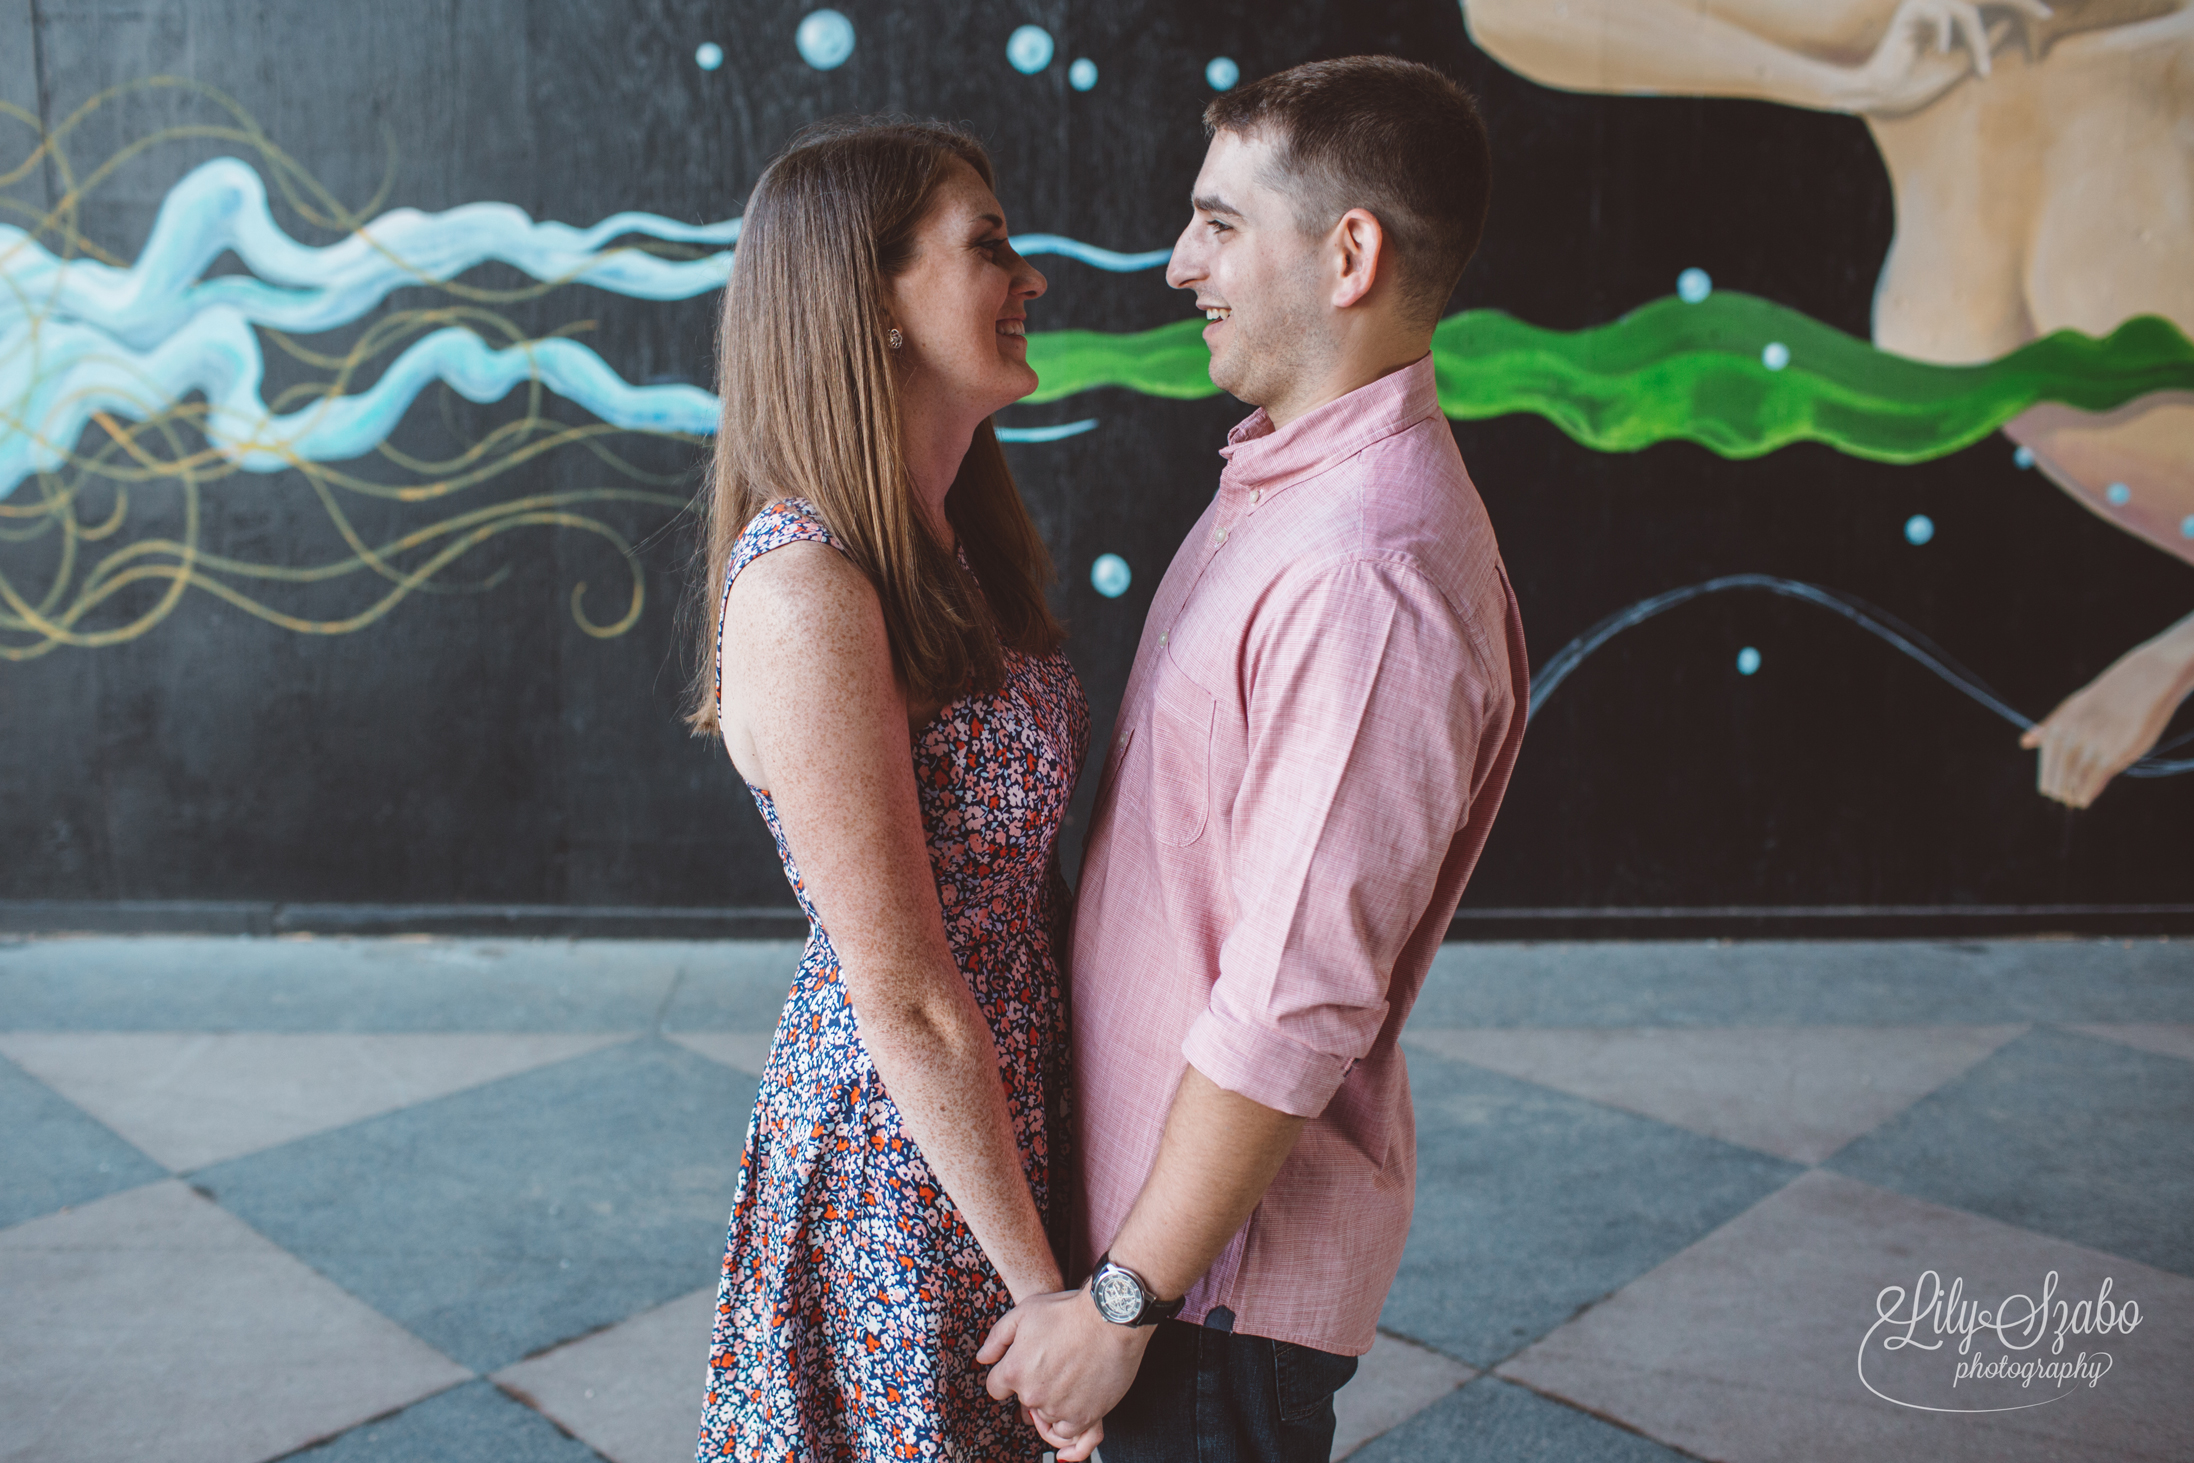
column 1262, row 456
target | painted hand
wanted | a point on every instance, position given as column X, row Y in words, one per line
column 1068, row 1365
column 2105, row 726
column 1930, row 46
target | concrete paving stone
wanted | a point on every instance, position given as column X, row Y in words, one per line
column 1748, row 1346
column 503, row 1220
column 635, row 1391
column 742, row 1051
column 1809, row 983
column 1532, row 1203
column 745, row 994
column 152, row 1324
column 53, row 1155
column 1490, row 1421
column 1799, row 1092
column 194, row 1098
column 1394, row 1381
column 2059, row 1133
column 298, row 983
column 470, row 1424
column 2165, row 1040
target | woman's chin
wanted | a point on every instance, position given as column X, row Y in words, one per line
column 1025, row 381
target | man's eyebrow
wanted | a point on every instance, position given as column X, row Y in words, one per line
column 1212, row 203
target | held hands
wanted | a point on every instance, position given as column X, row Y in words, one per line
column 1068, row 1365
column 1930, row 46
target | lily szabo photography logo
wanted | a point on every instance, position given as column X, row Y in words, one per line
column 1937, row 1350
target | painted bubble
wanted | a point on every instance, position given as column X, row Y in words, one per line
column 708, row 56
column 2024, row 457
column 2117, row 495
column 1110, row 576
column 1029, row 49
column 1222, row 73
column 825, row 39
column 1693, row 285
column 2186, row 526
column 1082, row 75
column 1748, row 661
column 1919, row 528
column 1776, row 356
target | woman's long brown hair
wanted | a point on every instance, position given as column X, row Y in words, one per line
column 811, row 410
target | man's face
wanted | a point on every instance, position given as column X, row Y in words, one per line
column 1255, row 275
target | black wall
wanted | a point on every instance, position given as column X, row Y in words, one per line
column 478, row 746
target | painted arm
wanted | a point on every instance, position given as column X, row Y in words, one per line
column 829, row 726
column 1863, row 58
column 2134, row 468
column 2110, row 723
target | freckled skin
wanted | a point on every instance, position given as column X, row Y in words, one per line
column 827, row 733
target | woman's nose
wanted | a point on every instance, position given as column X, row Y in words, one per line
column 1032, row 282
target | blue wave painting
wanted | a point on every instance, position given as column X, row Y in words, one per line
column 79, row 337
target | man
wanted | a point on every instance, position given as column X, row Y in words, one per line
column 1322, row 717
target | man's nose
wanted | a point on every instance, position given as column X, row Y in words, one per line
column 1184, row 269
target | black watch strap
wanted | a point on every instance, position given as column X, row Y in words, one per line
column 1115, row 1287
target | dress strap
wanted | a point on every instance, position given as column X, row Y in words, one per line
column 785, row 521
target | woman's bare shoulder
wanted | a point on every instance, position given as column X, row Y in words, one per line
column 810, row 596
column 800, row 579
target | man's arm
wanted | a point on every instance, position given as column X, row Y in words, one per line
column 1366, row 709
column 1221, row 1151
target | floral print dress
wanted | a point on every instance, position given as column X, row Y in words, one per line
column 853, row 1295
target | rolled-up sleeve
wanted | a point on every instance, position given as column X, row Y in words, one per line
column 1365, row 705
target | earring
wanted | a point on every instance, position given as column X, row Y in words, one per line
column 895, row 339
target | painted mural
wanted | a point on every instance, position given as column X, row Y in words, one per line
column 2042, row 158
column 89, row 344
column 422, row 380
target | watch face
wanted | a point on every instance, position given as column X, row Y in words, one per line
column 1119, row 1299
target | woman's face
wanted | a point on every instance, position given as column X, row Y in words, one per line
column 962, row 303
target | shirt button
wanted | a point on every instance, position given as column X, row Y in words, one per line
column 1161, row 637
column 1218, row 535
column 1256, row 496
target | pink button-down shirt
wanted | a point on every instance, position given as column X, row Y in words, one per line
column 1323, row 714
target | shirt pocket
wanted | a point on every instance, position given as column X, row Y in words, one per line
column 1182, row 714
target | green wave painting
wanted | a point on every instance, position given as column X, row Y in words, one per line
column 1739, row 375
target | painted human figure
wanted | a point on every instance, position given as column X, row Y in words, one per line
column 2043, row 179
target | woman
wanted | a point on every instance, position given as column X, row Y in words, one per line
column 886, row 677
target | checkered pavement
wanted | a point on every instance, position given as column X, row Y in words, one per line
column 453, row 1200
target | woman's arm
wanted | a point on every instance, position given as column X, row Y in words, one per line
column 1878, row 57
column 804, row 636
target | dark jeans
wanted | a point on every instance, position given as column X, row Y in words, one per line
column 1205, row 1395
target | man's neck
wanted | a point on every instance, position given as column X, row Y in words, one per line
column 1352, row 373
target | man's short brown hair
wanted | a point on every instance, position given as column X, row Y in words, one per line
column 1382, row 134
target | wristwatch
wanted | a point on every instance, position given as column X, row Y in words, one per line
column 1125, row 1299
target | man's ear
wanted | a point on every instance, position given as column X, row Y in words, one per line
column 1360, row 240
